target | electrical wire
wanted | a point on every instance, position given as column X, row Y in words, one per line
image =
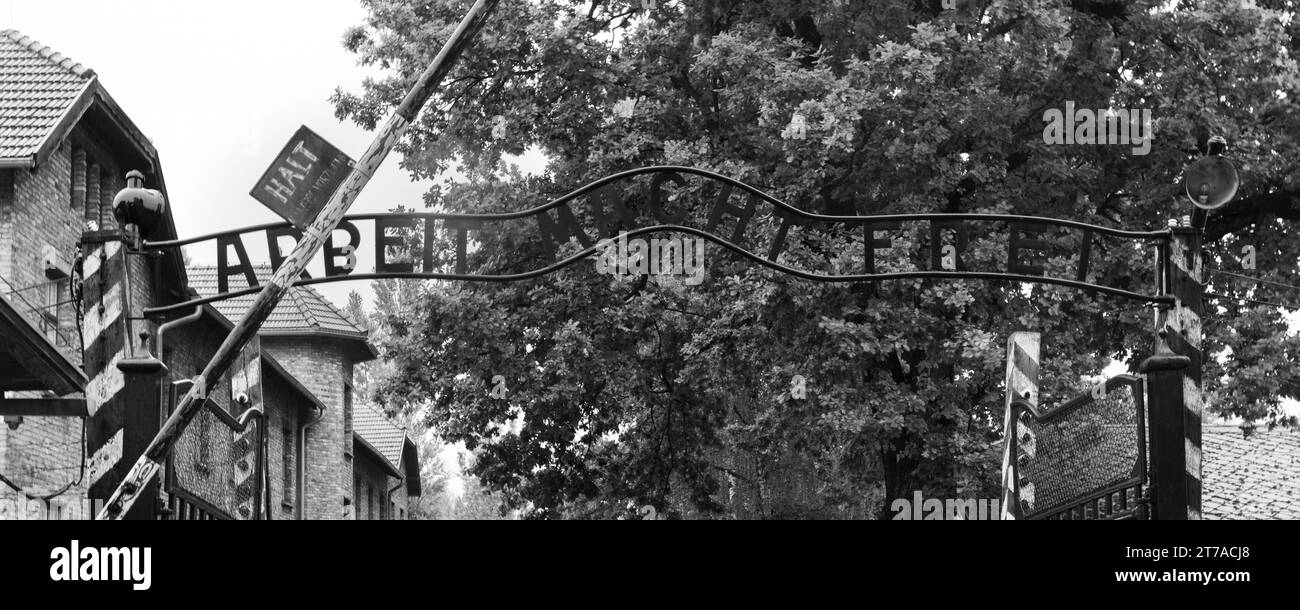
column 75, row 298
column 1256, row 279
column 37, row 308
column 1252, row 301
column 13, row 290
column 47, row 497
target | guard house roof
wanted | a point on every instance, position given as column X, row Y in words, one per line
column 1255, row 476
column 302, row 312
column 389, row 443
column 46, row 95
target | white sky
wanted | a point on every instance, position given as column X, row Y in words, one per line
column 220, row 87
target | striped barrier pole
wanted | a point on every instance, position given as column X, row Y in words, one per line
column 122, row 398
column 105, row 344
column 1022, row 391
column 1174, row 375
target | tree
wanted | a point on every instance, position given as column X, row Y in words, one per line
column 633, row 393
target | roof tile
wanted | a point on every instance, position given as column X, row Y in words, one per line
column 382, row 434
column 37, row 85
column 302, row 310
column 1250, row 477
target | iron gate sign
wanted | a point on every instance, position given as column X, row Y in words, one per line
column 304, row 175
column 739, row 217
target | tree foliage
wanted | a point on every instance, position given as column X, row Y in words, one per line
column 633, row 393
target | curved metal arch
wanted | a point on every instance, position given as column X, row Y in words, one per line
column 587, row 252
column 790, row 210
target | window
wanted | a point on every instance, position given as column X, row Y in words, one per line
column 286, row 459
column 392, row 509
column 49, row 313
column 401, row 514
column 347, row 415
column 356, row 498
column 77, row 179
column 370, row 501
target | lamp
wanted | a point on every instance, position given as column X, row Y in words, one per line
column 1212, row 181
column 138, row 210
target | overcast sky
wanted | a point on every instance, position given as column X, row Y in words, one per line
column 220, row 87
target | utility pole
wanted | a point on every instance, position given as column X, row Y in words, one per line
column 146, row 467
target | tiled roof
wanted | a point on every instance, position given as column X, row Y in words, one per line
column 380, row 433
column 301, row 311
column 37, row 86
column 1255, row 477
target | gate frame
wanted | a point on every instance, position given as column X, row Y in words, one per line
column 1135, row 482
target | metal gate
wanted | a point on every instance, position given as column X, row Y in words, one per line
column 215, row 470
column 1084, row 460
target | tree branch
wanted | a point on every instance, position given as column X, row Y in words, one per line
column 1249, row 211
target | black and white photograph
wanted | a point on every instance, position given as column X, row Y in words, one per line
column 650, row 260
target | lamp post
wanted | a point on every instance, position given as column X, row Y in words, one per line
column 1174, row 369
column 128, row 408
column 139, row 211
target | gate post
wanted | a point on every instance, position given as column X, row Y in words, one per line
column 122, row 398
column 1174, row 375
column 1023, row 349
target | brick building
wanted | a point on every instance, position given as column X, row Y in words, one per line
column 64, row 143
column 77, row 413
column 320, row 346
column 387, row 467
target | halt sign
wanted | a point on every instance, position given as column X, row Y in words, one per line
column 303, row 177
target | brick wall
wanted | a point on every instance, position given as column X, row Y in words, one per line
column 43, row 457
column 323, row 366
column 40, row 215
column 374, row 476
column 36, row 210
column 47, row 207
column 6, row 221
column 284, row 409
